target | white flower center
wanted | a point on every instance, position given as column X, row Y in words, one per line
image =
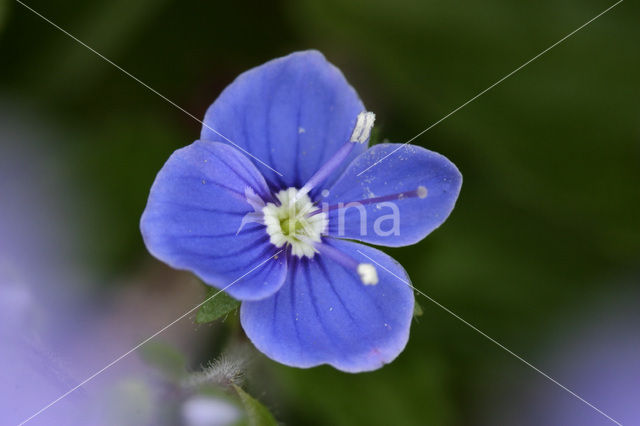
column 295, row 222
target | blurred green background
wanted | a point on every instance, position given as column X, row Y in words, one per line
column 547, row 223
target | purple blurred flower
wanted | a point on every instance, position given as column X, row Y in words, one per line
column 56, row 329
column 219, row 211
column 594, row 352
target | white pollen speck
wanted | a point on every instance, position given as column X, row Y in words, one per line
column 325, row 193
column 422, row 191
column 301, row 130
column 331, row 308
column 370, row 193
column 368, row 274
column 204, row 181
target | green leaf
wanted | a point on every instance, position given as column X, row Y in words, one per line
column 417, row 310
column 164, row 357
column 375, row 137
column 257, row 413
column 218, row 304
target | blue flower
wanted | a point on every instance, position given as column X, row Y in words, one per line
column 286, row 182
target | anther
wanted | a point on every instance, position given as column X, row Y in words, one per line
column 364, row 124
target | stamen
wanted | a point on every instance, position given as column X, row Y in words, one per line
column 366, row 271
column 421, row 192
column 360, row 134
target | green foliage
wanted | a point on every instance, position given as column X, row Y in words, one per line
column 375, row 136
column 218, row 303
column 417, row 309
column 257, row 413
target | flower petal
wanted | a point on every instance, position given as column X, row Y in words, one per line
column 324, row 314
column 403, row 220
column 195, row 208
column 291, row 113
